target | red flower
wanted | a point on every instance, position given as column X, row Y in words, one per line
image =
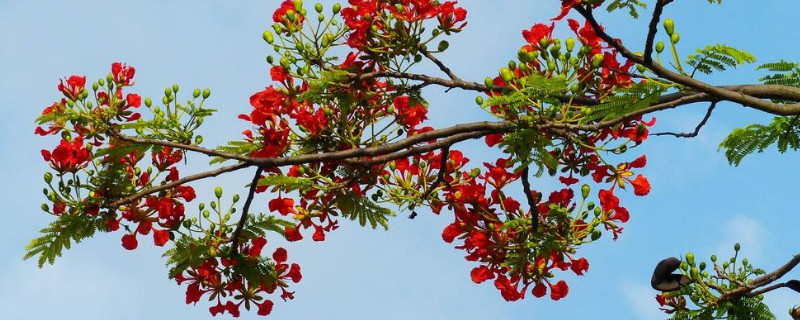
column 73, row 87
column 538, row 32
column 279, row 255
column 641, row 187
column 283, row 206
column 640, row 162
column 129, row 241
column 539, row 290
column 580, row 266
column 166, row 158
column 449, row 16
column 451, row 232
column 608, row 201
column 279, row 74
column 292, row 234
column 481, row 274
column 559, row 290
column 294, row 273
column 258, row 245
column 319, row 234
column 265, row 308
column 407, row 114
column 68, row 156
column 160, row 237
column 493, row 139
column 122, row 73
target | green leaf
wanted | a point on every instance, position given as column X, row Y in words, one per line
column 783, row 131
column 59, row 236
column 286, row 183
column 718, row 57
column 359, row 208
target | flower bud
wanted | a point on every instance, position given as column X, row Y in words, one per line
column 479, row 100
column 285, row 63
column 597, row 60
column 45, row 207
column 206, row 93
column 198, row 140
column 298, row 4
column 596, row 234
column 737, row 246
column 506, row 74
column 488, row 82
column 236, row 198
column 669, row 26
column 321, row 17
column 570, row 42
column 148, row 102
column 543, row 43
column 640, row 68
column 95, row 86
column 218, row 192
column 336, row 8
column 713, row 258
column 175, row 88
column 268, row 37
column 660, row 46
column 585, row 191
column 48, row 177
column 675, row 38
column 318, row 7
column 443, row 45
column 702, row 266
column 168, row 92
column 684, row 266
column 474, row 173
column 690, row 258
column 206, row 214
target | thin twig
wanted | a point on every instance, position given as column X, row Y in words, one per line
column 439, row 64
column 245, row 209
column 696, row 129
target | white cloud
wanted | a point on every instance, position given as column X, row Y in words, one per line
column 748, row 232
column 641, row 299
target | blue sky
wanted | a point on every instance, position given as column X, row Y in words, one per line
column 698, row 202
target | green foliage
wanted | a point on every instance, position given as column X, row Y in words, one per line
column 786, row 74
column 319, row 87
column 757, row 137
column 529, row 147
column 740, row 309
column 60, row 235
column 262, row 224
column 718, row 57
column 281, row 182
column 631, row 5
column 188, row 252
column 536, row 89
column 359, row 208
column 633, row 98
column 244, row 148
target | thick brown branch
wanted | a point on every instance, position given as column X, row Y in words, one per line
column 653, row 29
column 526, row 187
column 245, row 210
column 760, row 285
column 720, row 93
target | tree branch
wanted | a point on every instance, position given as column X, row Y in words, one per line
column 439, row 64
column 245, row 209
column 760, row 285
column 526, row 187
column 696, row 129
column 651, row 34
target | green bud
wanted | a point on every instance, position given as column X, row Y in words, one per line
column 198, row 140
column 336, row 8
column 95, row 86
column 596, row 234
column 201, row 206
column 196, row 93
column 443, row 45
column 236, row 198
column 479, row 100
column 543, row 43
column 597, row 60
column 101, row 81
column 506, row 74
column 570, row 42
column 285, row 63
column 298, row 4
column 702, row 266
column 218, row 192
column 321, row 17
column 110, row 79
column 590, row 206
column 551, row 65
column 737, row 246
column 675, row 38
column 45, row 207
column 684, row 266
column 206, row 93
column 474, row 173
column 148, row 102
column 690, row 258
column 175, row 88
column 640, row 68
column 268, row 37
column 533, row 55
column 660, row 46
column 489, row 82
column 48, row 177
column 318, row 7
column 597, row 211
column 745, row 261
column 669, row 26
column 206, row 214
column 585, row 191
